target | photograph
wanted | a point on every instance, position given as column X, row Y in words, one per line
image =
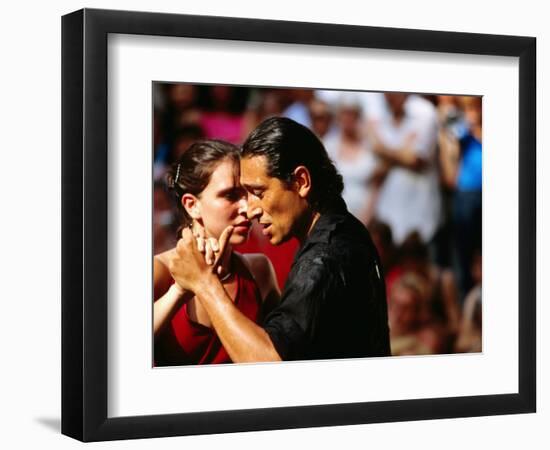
column 312, row 224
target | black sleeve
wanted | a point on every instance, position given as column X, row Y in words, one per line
column 292, row 325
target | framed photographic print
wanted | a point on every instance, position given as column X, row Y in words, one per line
column 160, row 104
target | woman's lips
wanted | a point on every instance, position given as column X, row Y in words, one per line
column 242, row 227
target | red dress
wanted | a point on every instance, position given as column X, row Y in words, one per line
column 185, row 342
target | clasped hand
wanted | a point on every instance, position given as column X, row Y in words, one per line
column 197, row 258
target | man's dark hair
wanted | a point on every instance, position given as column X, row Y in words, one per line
column 286, row 145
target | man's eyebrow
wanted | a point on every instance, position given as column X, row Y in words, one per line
column 253, row 186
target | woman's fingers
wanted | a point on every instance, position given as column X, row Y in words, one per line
column 211, row 250
column 201, row 244
column 198, row 232
column 210, row 247
column 200, row 236
column 208, row 252
column 223, row 244
column 214, row 244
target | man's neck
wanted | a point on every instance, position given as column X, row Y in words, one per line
column 308, row 226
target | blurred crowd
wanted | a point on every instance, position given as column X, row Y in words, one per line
column 411, row 166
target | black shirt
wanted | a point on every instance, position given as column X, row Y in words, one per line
column 334, row 301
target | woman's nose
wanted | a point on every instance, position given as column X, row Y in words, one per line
column 243, row 206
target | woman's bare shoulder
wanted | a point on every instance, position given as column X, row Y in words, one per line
column 256, row 262
column 261, row 268
column 263, row 272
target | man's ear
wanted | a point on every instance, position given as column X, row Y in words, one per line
column 302, row 180
column 191, row 204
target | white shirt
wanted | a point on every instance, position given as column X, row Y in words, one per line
column 356, row 173
column 411, row 201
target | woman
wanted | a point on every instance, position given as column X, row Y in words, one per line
column 205, row 182
column 461, row 167
column 351, row 153
column 441, row 289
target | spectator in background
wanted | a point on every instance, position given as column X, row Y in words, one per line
column 185, row 136
column 349, row 149
column 449, row 117
column 182, row 140
column 176, row 108
column 375, row 107
column 182, row 100
column 440, row 286
column 469, row 339
column 413, row 330
column 405, row 142
column 448, row 111
column 223, row 117
column 298, row 109
column 262, row 104
column 461, row 166
column 321, row 117
column 164, row 220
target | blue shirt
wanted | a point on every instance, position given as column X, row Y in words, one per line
column 470, row 170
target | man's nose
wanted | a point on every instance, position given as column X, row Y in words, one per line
column 253, row 212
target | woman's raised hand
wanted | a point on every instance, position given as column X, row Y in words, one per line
column 207, row 246
column 212, row 249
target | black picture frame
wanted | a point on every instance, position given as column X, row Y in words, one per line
column 84, row 224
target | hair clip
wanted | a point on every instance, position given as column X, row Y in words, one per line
column 177, row 174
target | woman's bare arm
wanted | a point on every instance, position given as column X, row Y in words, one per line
column 168, row 296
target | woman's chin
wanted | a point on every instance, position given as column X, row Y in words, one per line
column 238, row 239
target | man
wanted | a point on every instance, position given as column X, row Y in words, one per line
column 333, row 304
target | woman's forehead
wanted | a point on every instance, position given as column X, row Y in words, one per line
column 225, row 175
